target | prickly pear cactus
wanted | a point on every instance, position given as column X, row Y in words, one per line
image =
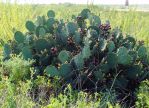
column 51, row 71
column 64, row 56
column 83, row 49
column 6, row 51
column 19, row 37
column 123, row 57
column 30, row 26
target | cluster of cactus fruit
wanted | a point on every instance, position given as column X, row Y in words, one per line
column 83, row 52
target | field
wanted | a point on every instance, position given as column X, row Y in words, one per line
column 132, row 22
column 14, row 94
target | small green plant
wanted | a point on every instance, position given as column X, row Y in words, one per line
column 15, row 96
column 73, row 99
column 142, row 95
column 16, row 69
column 84, row 52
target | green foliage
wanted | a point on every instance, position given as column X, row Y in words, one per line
column 65, row 70
column 16, row 69
column 64, row 56
column 51, row 13
column 15, row 96
column 123, row 56
column 71, row 28
column 73, row 99
column 86, row 56
column 85, row 13
column 79, row 61
column 7, row 51
column 30, row 26
column 142, row 95
column 86, row 53
column 19, row 37
column 41, row 44
column 26, row 52
column 111, row 46
column 142, row 52
column 42, row 32
column 112, row 60
column 51, row 71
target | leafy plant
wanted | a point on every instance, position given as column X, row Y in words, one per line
column 16, row 69
column 142, row 95
column 73, row 99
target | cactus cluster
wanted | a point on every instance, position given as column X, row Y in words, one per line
column 83, row 51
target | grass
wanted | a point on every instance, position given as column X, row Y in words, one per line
column 14, row 16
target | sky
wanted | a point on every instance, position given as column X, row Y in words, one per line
column 83, row 1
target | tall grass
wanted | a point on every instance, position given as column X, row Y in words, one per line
column 14, row 16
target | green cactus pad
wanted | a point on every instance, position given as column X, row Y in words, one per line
column 30, row 26
column 79, row 61
column 123, row 57
column 77, row 37
column 133, row 55
column 7, row 50
column 86, row 52
column 71, row 28
column 124, row 60
column 27, row 53
column 51, row 14
column 94, row 28
column 112, row 60
column 130, row 41
column 62, row 37
column 142, row 52
column 94, row 34
column 42, row 44
column 40, row 21
column 65, row 70
column 19, row 37
column 94, row 20
column 51, row 71
column 64, row 56
column 85, row 13
column 50, row 22
column 111, row 46
column 29, row 39
column 42, row 32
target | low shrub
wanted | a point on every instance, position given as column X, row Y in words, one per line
column 16, row 69
column 72, row 99
column 15, row 96
column 143, row 95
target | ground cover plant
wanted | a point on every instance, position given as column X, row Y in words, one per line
column 83, row 52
